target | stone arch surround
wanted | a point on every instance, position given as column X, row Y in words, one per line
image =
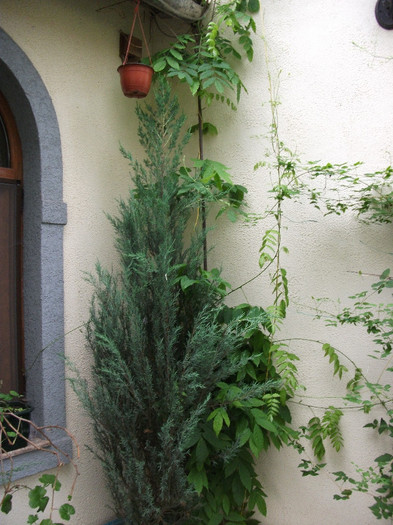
column 45, row 215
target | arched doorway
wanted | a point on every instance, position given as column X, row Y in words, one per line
column 11, row 272
column 44, row 217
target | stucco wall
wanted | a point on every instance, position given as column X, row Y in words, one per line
column 336, row 106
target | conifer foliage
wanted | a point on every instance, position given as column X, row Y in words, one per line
column 158, row 350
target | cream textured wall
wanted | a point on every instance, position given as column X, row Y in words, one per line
column 74, row 47
column 336, row 105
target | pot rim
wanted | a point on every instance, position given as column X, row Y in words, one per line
column 134, row 64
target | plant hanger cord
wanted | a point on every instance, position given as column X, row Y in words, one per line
column 136, row 15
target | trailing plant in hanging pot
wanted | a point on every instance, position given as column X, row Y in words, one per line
column 135, row 78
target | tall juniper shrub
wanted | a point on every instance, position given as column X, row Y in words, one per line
column 161, row 341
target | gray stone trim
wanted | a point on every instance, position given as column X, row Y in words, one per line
column 45, row 215
column 54, row 213
column 35, row 461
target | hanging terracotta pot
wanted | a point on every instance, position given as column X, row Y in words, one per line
column 135, row 79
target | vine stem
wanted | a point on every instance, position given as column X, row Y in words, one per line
column 201, row 157
column 352, row 407
column 201, row 154
column 385, row 368
column 381, row 401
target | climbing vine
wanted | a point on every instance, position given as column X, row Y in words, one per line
column 370, row 197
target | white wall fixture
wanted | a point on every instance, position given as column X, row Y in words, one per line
column 186, row 10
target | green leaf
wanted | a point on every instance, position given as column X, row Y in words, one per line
column 66, row 511
column 159, row 65
column 209, row 129
column 219, row 86
column 191, row 439
column 176, row 54
column 261, row 504
column 210, row 168
column 231, row 466
column 238, row 491
column 198, row 479
column 252, row 500
column 50, row 479
column 38, row 499
column 207, row 82
column 32, row 518
column 173, row 63
column 6, row 504
column 253, row 6
column 235, row 517
column 226, row 504
column 186, row 282
column 213, row 439
column 194, row 87
column 258, row 441
column 13, row 393
column 254, row 449
column 231, row 214
column 219, row 415
column 217, row 423
column 262, row 420
column 243, row 437
column 225, row 417
column 201, row 452
column 216, row 519
column 385, row 458
column 245, row 476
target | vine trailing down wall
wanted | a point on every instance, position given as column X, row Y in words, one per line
column 370, row 196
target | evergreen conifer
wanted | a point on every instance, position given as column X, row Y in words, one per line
column 158, row 349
